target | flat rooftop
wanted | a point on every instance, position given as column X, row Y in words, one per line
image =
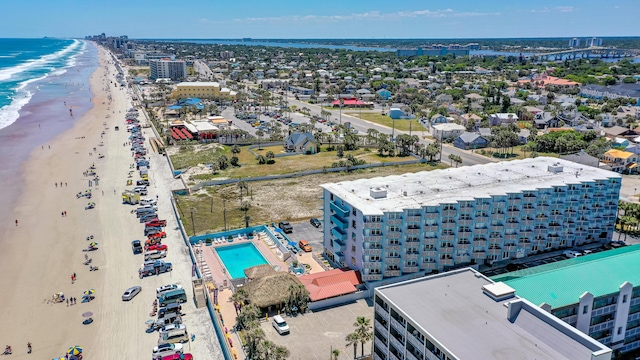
column 198, row 83
column 453, row 309
column 415, row 190
column 562, row 283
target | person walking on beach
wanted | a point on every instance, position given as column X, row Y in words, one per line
column 56, row 185
column 28, row 347
column 16, row 222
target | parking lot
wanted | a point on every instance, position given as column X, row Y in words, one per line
column 306, row 231
column 314, row 334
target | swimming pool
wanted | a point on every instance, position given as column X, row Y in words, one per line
column 236, row 258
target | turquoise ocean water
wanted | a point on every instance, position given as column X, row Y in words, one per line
column 25, row 62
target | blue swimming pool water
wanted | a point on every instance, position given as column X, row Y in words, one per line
column 236, row 258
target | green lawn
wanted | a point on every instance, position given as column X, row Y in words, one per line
column 385, row 120
column 517, row 152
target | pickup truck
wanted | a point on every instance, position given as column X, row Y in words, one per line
column 157, row 266
column 285, row 227
column 151, row 230
column 156, row 223
column 136, row 246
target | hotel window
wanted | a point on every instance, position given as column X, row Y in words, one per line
column 534, row 248
column 624, row 299
column 353, row 248
column 394, row 228
column 585, row 309
column 376, row 232
column 505, row 255
column 412, row 263
column 374, row 258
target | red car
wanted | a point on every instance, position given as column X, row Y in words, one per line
column 156, row 223
column 158, row 235
column 186, row 356
column 157, row 246
column 150, row 242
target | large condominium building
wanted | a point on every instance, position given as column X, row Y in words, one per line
column 461, row 315
column 167, row 69
column 201, row 89
column 414, row 224
column 599, row 294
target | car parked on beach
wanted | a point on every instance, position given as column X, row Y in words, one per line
column 155, row 254
column 158, row 235
column 131, row 292
column 136, row 246
column 148, row 217
column 148, row 202
column 166, row 350
column 154, row 247
column 165, row 288
column 151, row 230
column 156, row 223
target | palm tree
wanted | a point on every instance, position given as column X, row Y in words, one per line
column 352, row 339
column 363, row 329
column 335, row 353
column 259, row 134
column 253, row 337
column 235, row 149
column 223, row 162
column 245, row 208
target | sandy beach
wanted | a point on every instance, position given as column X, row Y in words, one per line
column 45, row 248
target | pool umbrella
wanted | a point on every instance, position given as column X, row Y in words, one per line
column 75, row 350
column 93, row 244
column 89, row 292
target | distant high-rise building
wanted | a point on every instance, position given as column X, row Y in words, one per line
column 226, row 54
column 574, row 43
column 594, row 41
column 167, row 69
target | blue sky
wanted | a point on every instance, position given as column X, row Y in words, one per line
column 320, row 19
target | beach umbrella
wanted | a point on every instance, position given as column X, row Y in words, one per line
column 89, row 292
column 75, row 350
column 93, row 244
column 87, row 314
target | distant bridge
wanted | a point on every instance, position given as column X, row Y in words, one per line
column 590, row 52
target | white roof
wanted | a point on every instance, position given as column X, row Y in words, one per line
column 505, row 116
column 204, row 126
column 198, row 83
column 448, row 126
column 431, row 188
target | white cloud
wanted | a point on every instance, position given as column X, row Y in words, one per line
column 565, row 8
column 369, row 15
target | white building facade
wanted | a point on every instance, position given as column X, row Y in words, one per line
column 167, row 69
column 414, row 224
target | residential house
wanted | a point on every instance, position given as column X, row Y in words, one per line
column 540, row 99
column 438, row 119
column 545, row 120
column 397, row 113
column 523, row 136
column 631, row 91
column 620, row 143
column 470, row 118
column 533, row 110
column 583, row 158
column 301, row 90
column 446, row 130
column 622, row 162
column 444, row 98
column 299, row 142
column 383, row 94
column 469, row 140
column 502, row 118
column 634, row 148
column 486, row 133
column 474, row 97
column 619, row 131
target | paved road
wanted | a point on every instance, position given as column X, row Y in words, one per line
column 468, row 158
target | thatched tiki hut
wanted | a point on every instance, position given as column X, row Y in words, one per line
column 269, row 289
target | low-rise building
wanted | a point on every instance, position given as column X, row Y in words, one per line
column 620, row 161
column 447, row 131
column 469, row 140
column 502, row 118
column 303, row 143
column 599, row 294
column 462, row 315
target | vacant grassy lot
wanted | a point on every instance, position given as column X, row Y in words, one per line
column 385, row 120
column 517, row 153
column 189, row 156
column 295, row 199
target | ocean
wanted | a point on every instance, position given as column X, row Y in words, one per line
column 25, row 62
column 40, row 80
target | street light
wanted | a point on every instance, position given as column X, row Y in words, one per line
column 341, row 105
column 193, row 224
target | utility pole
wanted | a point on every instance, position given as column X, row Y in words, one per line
column 224, row 212
column 193, row 224
column 211, row 205
column 440, row 146
column 341, row 104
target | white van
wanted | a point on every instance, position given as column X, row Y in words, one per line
column 148, row 202
column 175, row 336
column 171, row 328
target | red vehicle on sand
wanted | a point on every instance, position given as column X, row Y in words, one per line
column 157, row 246
column 158, row 235
column 150, row 242
column 156, row 223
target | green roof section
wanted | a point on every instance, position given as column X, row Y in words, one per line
column 562, row 283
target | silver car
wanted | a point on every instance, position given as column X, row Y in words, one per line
column 131, row 292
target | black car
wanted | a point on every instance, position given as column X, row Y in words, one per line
column 136, row 246
column 315, row 222
column 286, row 227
